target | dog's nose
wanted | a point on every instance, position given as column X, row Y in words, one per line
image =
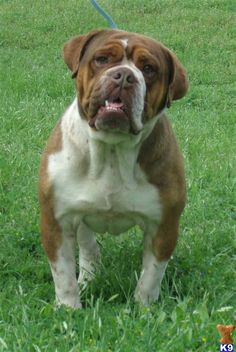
column 123, row 77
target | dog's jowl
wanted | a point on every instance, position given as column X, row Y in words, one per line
column 112, row 161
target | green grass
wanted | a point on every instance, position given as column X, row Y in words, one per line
column 198, row 291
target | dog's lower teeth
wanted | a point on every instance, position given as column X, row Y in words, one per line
column 112, row 109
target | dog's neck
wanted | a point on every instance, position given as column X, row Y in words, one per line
column 104, row 152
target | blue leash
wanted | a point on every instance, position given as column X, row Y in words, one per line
column 104, row 14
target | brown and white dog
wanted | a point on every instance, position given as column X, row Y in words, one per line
column 112, row 161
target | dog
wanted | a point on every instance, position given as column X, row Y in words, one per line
column 112, row 160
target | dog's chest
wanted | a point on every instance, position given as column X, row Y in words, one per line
column 105, row 188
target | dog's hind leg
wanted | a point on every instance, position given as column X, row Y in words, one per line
column 89, row 254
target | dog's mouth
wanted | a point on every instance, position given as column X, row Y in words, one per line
column 112, row 114
column 112, row 105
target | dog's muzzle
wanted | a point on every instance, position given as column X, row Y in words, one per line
column 117, row 95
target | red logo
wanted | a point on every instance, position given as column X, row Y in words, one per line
column 226, row 333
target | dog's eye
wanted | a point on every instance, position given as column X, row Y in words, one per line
column 101, row 60
column 148, row 69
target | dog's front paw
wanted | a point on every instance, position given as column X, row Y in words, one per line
column 68, row 296
column 69, row 301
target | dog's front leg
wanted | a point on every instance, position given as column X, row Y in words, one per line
column 60, row 247
column 153, row 270
column 64, row 273
column 158, row 246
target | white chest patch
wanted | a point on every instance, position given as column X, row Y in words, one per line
column 99, row 183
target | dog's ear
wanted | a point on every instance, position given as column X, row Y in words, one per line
column 178, row 82
column 75, row 48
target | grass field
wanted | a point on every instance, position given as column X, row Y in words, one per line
column 198, row 291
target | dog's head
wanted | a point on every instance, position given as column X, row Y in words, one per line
column 123, row 79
